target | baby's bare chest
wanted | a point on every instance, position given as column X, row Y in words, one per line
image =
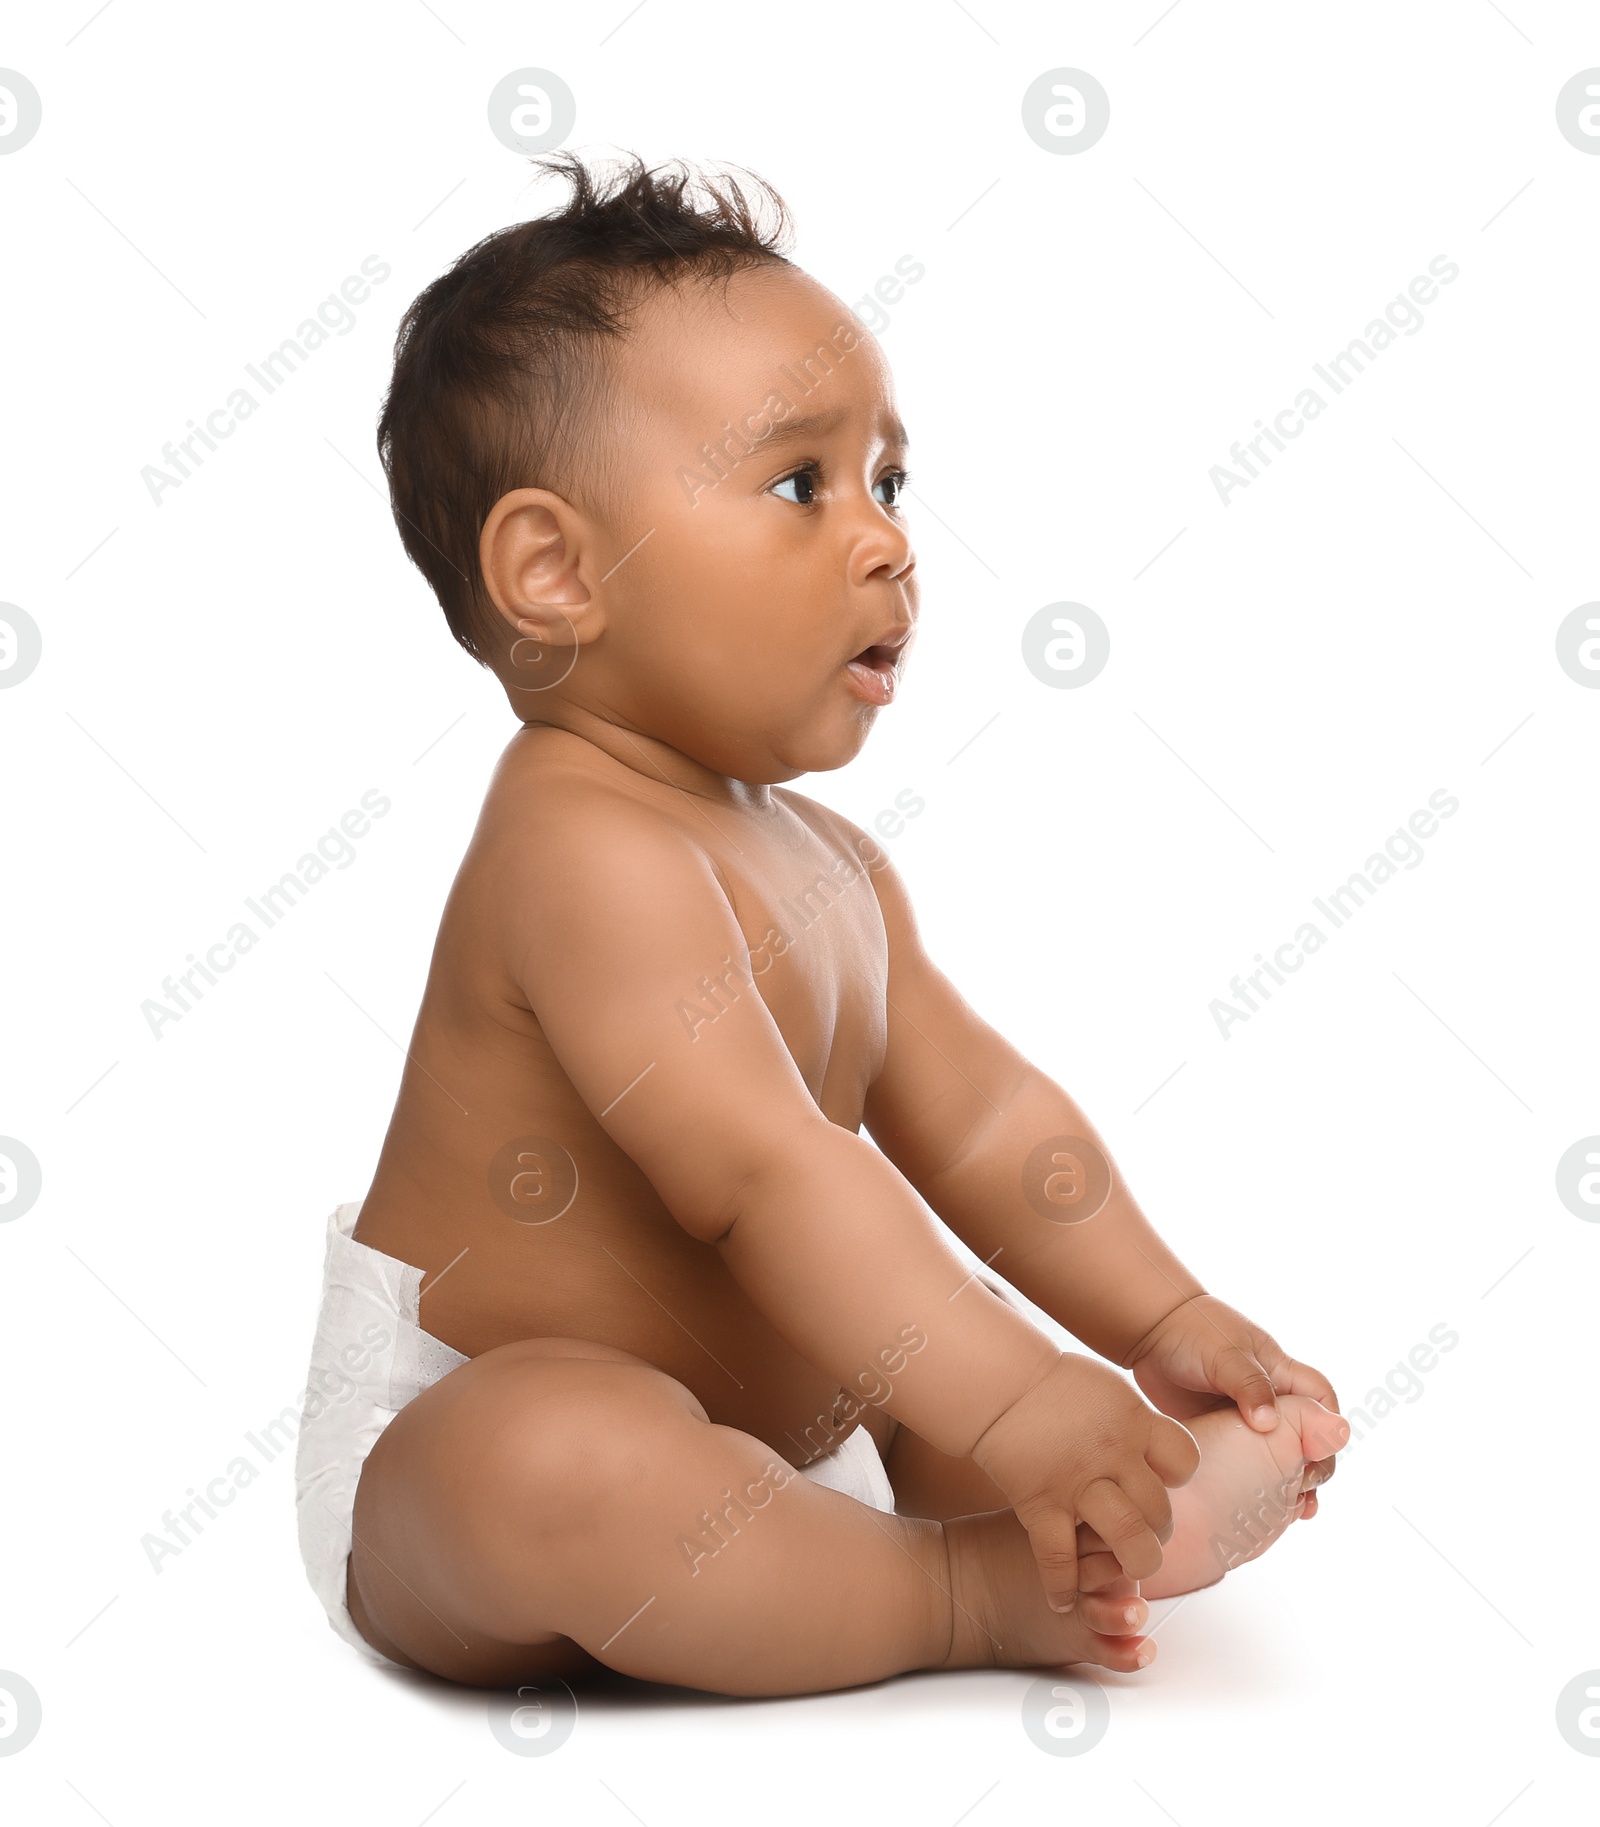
column 818, row 959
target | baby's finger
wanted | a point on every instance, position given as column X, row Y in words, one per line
column 1238, row 1373
column 1098, row 1571
column 1123, row 1527
column 1121, row 1588
column 1139, row 1484
column 1088, row 1542
column 1171, row 1453
column 1097, row 1565
column 1296, row 1379
column 1053, row 1536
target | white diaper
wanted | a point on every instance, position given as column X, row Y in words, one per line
column 369, row 1359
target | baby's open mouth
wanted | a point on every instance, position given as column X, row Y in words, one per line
column 873, row 672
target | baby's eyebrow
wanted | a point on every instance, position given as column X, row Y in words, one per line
column 811, row 425
column 819, row 424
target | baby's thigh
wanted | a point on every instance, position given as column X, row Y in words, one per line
column 466, row 1500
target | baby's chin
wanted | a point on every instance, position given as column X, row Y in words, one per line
column 818, row 747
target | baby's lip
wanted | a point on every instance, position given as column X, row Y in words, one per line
column 886, row 649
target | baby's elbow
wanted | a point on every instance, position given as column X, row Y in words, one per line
column 711, row 1216
column 755, row 1175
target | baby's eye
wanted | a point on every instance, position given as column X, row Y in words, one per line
column 804, row 484
column 895, row 483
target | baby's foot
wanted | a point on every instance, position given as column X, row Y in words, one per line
column 1246, row 1492
column 1002, row 1619
column 1249, row 1488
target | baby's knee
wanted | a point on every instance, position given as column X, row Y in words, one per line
column 566, row 1433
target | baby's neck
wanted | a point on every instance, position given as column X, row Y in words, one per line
column 650, row 757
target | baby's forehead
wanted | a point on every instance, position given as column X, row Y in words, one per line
column 710, row 348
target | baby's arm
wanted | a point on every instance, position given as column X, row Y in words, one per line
column 615, row 918
column 968, row 1121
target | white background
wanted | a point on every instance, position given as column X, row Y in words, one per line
column 1371, row 1155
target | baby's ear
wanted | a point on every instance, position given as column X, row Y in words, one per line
column 531, row 551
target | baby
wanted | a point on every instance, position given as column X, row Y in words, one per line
column 637, row 1355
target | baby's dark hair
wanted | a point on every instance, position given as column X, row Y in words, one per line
column 499, row 376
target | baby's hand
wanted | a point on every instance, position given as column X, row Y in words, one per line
column 1205, row 1354
column 1080, row 1446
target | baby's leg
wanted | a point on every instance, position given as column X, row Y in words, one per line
column 554, row 1506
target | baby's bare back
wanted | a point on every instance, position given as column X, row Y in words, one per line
column 496, row 1178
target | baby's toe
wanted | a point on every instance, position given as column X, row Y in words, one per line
column 1318, row 1472
column 1124, row 1655
column 1114, row 1615
column 1321, row 1432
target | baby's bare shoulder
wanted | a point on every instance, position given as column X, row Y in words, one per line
column 548, row 779
column 558, row 807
